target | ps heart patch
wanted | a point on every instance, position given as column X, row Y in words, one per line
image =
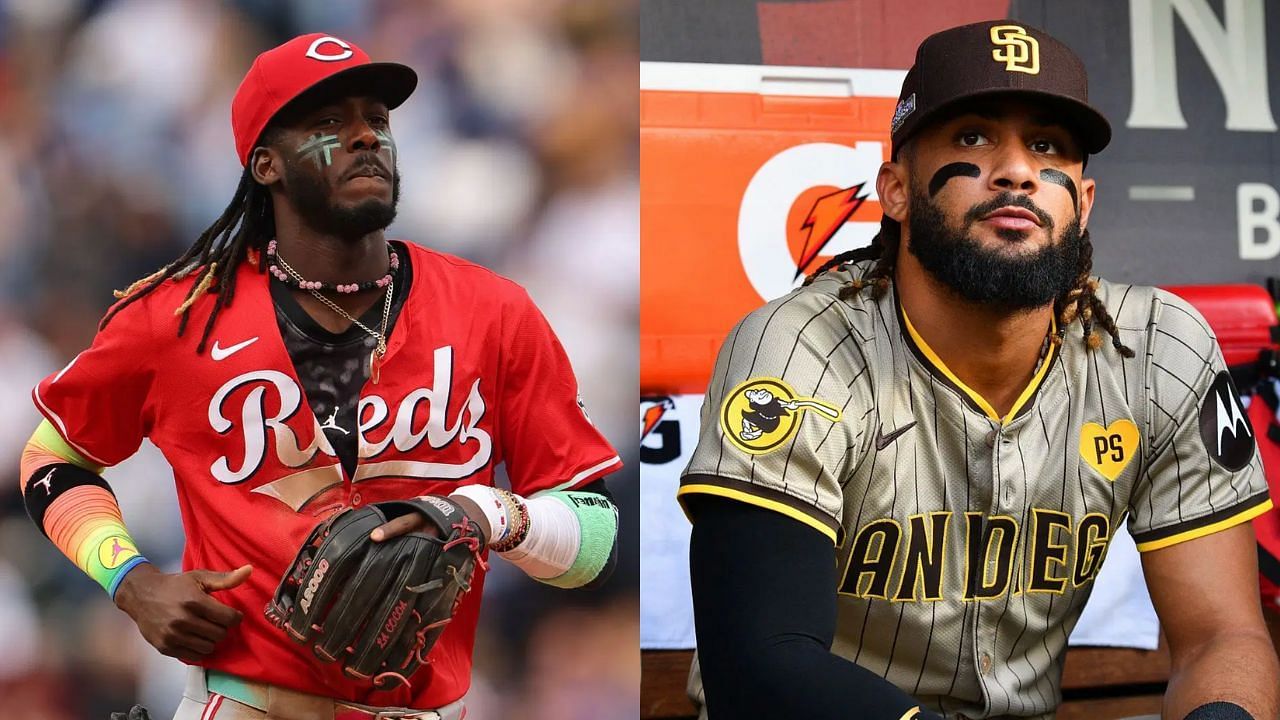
column 1109, row 449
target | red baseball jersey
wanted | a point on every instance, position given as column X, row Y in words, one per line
column 473, row 377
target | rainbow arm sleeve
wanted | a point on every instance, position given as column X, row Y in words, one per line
column 73, row 506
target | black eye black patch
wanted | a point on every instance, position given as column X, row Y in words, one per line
column 950, row 170
column 1057, row 177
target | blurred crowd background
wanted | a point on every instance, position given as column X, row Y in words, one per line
column 518, row 150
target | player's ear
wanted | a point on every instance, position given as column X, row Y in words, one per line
column 266, row 165
column 1087, row 188
column 891, row 186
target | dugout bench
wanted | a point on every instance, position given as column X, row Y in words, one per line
column 1097, row 683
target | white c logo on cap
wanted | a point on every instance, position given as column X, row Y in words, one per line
column 314, row 50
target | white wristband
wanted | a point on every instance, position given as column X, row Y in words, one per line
column 494, row 521
column 553, row 542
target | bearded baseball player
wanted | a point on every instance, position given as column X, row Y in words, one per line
column 334, row 406
column 909, row 469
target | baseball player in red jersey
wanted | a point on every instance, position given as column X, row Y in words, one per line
column 295, row 363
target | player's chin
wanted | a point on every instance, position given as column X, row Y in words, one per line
column 367, row 207
column 357, row 219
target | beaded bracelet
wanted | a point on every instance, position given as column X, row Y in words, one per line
column 519, row 528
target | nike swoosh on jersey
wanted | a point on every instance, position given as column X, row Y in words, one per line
column 221, row 353
column 883, row 441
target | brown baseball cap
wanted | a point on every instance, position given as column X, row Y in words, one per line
column 994, row 58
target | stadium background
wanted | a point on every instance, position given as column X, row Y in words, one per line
column 1188, row 86
column 518, row 150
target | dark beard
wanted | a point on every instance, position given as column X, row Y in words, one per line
column 309, row 195
column 988, row 277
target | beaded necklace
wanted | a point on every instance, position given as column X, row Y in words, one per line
column 281, row 271
column 284, row 272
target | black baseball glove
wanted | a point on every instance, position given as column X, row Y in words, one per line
column 378, row 608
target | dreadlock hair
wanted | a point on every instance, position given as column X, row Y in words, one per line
column 1081, row 301
column 247, row 223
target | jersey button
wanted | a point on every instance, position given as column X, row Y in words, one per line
column 356, row 500
column 985, row 664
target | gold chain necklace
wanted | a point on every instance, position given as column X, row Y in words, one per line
column 380, row 350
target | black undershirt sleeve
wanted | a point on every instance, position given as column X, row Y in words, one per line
column 764, row 600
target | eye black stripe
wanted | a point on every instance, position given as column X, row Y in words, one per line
column 946, row 172
column 1057, row 177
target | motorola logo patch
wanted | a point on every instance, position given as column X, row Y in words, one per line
column 1224, row 425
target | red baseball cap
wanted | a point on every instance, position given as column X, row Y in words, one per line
column 281, row 74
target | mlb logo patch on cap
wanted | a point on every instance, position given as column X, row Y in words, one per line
column 906, row 106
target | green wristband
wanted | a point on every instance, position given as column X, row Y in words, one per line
column 598, row 521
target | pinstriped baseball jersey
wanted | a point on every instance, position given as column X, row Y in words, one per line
column 967, row 543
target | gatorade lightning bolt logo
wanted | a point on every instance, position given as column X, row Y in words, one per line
column 653, row 416
column 829, row 213
column 659, row 430
column 804, row 204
